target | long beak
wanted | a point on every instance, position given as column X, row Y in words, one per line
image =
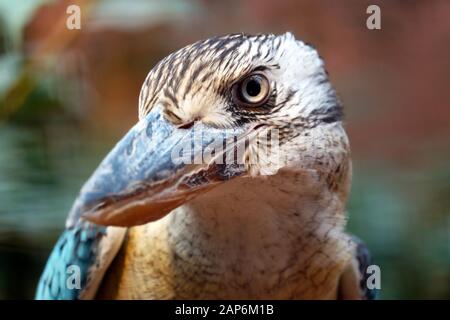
column 155, row 168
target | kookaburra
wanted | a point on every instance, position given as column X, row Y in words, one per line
column 148, row 226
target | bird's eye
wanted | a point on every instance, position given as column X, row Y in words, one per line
column 253, row 90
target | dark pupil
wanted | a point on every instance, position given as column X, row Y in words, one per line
column 253, row 88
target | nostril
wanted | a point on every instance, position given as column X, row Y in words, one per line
column 187, row 125
column 258, row 126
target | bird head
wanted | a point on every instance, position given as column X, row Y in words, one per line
column 230, row 107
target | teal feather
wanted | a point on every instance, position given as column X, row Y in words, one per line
column 76, row 246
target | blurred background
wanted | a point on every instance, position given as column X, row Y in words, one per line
column 66, row 96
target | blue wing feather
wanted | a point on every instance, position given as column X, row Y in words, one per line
column 364, row 260
column 76, row 246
